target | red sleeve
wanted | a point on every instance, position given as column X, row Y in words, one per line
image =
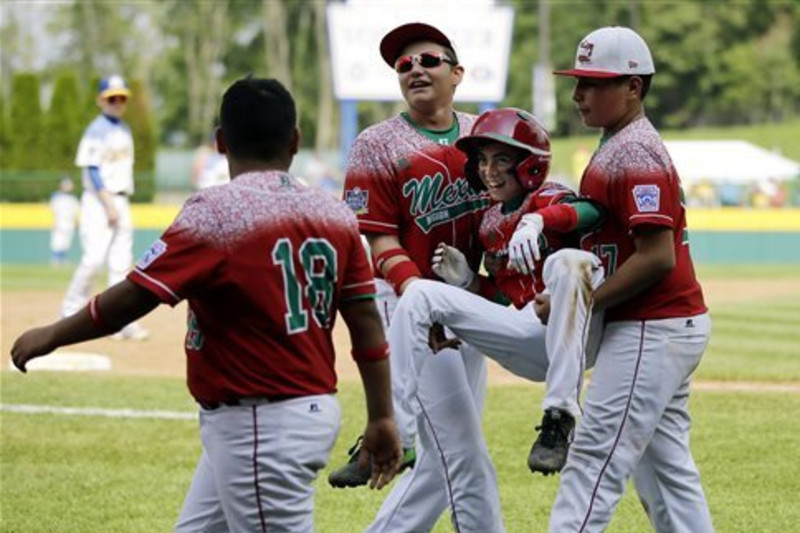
column 370, row 188
column 648, row 199
column 182, row 260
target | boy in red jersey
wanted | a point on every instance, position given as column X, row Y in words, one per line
column 265, row 263
column 635, row 421
column 405, row 182
column 508, row 154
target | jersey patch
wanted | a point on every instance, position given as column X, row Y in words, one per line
column 647, row 198
column 358, row 200
column 156, row 250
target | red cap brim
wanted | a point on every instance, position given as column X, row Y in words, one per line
column 582, row 73
column 394, row 42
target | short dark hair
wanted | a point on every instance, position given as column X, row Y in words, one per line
column 646, row 81
column 257, row 117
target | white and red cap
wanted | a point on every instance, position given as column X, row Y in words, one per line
column 610, row 52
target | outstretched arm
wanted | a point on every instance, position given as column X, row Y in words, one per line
column 106, row 313
column 381, row 442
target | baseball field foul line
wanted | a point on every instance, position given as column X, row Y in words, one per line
column 96, row 411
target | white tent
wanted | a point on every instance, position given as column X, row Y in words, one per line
column 736, row 162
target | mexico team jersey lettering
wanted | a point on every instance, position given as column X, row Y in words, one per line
column 399, row 182
column 264, row 263
column 633, row 177
column 496, row 231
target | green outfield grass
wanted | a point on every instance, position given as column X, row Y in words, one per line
column 752, row 340
column 90, row 474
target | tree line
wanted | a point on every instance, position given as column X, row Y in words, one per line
column 718, row 62
column 38, row 146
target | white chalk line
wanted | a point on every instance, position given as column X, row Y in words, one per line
column 97, row 411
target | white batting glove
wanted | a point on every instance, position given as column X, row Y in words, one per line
column 523, row 249
column 451, row 265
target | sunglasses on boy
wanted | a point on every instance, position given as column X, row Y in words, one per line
column 117, row 99
column 425, row 60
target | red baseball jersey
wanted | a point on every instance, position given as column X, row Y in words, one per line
column 399, row 182
column 496, row 231
column 264, row 263
column 633, row 177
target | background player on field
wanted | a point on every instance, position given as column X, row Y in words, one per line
column 264, row 263
column 509, row 155
column 105, row 155
column 209, row 167
column 65, row 207
column 635, row 420
column 406, row 183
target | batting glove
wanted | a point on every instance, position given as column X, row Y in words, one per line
column 523, row 249
column 451, row 265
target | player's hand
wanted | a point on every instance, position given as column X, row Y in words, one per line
column 382, row 446
column 113, row 217
column 523, row 249
column 493, row 263
column 31, row 344
column 437, row 340
column 541, row 305
column 451, row 265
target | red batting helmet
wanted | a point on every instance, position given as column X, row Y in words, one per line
column 516, row 128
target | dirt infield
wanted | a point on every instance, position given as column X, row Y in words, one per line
column 162, row 354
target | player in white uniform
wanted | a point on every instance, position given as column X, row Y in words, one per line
column 105, row 155
column 65, row 207
column 636, row 420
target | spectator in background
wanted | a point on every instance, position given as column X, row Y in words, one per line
column 65, row 207
column 209, row 166
column 319, row 174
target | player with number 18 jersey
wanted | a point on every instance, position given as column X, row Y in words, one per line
column 263, row 262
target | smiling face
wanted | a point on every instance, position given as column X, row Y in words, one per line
column 496, row 164
column 426, row 90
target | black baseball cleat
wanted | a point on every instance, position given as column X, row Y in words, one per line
column 549, row 451
column 350, row 475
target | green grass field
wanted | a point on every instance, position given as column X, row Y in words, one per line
column 71, row 473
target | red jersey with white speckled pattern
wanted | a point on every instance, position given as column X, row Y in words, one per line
column 633, row 177
column 497, row 229
column 264, row 263
column 399, row 182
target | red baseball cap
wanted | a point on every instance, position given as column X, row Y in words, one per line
column 610, row 52
column 395, row 41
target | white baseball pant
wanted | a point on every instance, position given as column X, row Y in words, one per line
column 636, row 423
column 454, row 384
column 514, row 338
column 100, row 245
column 556, row 354
column 258, row 465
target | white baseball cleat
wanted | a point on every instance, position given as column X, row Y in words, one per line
column 131, row 332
